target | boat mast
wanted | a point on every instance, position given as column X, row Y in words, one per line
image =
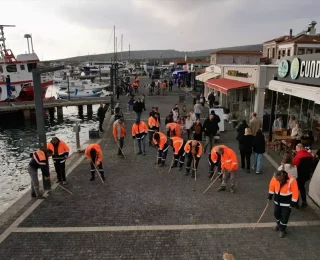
column 3, row 39
column 121, row 46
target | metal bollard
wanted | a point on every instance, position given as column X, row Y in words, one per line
column 76, row 129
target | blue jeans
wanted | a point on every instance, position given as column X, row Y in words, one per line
column 197, row 115
column 142, row 145
column 257, row 165
column 138, row 115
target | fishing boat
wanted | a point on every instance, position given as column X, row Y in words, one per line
column 16, row 84
column 76, row 94
column 86, row 84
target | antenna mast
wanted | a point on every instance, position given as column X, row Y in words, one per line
column 2, row 38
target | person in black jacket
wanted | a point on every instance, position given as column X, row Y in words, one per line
column 211, row 99
column 101, row 115
column 169, row 118
column 138, row 107
column 240, row 129
column 259, row 148
column 245, row 146
column 211, row 128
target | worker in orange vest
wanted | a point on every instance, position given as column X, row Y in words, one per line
column 139, row 132
column 60, row 154
column 215, row 161
column 177, row 144
column 119, row 132
column 153, row 125
column 160, row 140
column 173, row 129
column 284, row 188
column 229, row 167
column 95, row 157
column 39, row 159
column 193, row 151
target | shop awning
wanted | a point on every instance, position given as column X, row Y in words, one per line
column 297, row 90
column 224, row 85
column 207, row 75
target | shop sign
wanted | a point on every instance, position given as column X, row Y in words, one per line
column 303, row 69
column 236, row 73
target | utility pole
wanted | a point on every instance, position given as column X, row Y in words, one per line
column 121, row 46
column 114, row 43
column 116, row 49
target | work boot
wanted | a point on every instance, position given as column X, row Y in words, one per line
column 186, row 173
column 139, row 153
column 33, row 195
column 193, row 175
column 210, row 175
column 40, row 197
column 173, row 166
column 282, row 234
column 144, row 153
column 222, row 188
column 232, row 189
column 276, row 228
column 304, row 204
column 92, row 177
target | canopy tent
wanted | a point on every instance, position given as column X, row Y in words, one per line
column 224, row 85
column 207, row 75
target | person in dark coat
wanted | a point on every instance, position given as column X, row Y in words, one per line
column 118, row 92
column 245, row 146
column 211, row 99
column 170, row 85
column 259, row 148
column 197, row 129
column 101, row 115
column 210, row 127
column 169, row 118
column 138, row 107
column 240, row 130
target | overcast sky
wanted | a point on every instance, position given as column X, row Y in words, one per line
column 65, row 28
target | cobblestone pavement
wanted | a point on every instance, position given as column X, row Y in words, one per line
column 136, row 193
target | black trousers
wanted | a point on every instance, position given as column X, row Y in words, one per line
column 93, row 170
column 100, row 124
column 190, row 160
column 212, row 165
column 282, row 215
column 121, row 142
column 118, row 94
column 245, row 158
column 162, row 154
column 60, row 167
column 179, row 158
column 302, row 189
column 211, row 104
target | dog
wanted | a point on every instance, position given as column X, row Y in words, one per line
column 227, row 256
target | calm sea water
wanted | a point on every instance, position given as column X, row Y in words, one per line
column 18, row 139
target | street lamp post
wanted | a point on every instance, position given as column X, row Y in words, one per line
column 68, row 77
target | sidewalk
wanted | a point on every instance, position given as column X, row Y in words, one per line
column 146, row 213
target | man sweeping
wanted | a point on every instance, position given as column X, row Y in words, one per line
column 160, row 140
column 215, row 161
column 173, row 129
column 119, row 132
column 39, row 159
column 177, row 144
column 60, row 154
column 95, row 157
column 153, row 125
column 139, row 132
column 193, row 151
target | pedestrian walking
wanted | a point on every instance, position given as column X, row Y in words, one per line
column 164, row 87
column 183, row 112
column 101, row 115
column 288, row 166
column 197, row 130
column 160, row 140
column 229, row 167
column 95, row 157
column 303, row 160
column 215, row 161
column 259, row 148
column 139, row 132
column 175, row 112
column 60, row 154
column 210, row 127
column 39, row 159
column 240, row 130
column 284, row 188
column 153, row 126
column 119, row 132
column 245, row 148
column 192, row 115
column 255, row 124
column 197, row 109
column 211, row 99
column 153, row 84
column 188, row 124
column 193, row 151
column 138, row 107
column 169, row 118
column 177, row 144
column 170, row 85
column 202, row 100
column 131, row 103
column 173, row 129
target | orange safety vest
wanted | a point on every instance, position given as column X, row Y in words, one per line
column 229, row 160
column 213, row 154
column 164, row 85
column 174, row 129
column 288, row 193
column 62, row 149
column 122, row 129
column 177, row 143
column 140, row 130
column 153, row 122
column 96, row 147
column 162, row 142
column 39, row 157
column 187, row 148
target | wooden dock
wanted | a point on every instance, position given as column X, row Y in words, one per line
column 52, row 105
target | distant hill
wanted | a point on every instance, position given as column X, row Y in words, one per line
column 157, row 54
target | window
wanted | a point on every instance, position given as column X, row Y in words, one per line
column 279, row 54
column 1, row 70
column 289, row 52
column 309, row 51
column 283, row 53
column 300, row 51
column 268, row 53
column 12, row 68
column 273, row 53
column 22, row 67
column 32, row 66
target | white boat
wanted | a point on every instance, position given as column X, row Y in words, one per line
column 82, row 84
column 64, row 94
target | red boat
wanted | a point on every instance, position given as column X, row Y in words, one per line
column 19, row 69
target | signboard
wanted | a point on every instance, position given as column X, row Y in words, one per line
column 236, row 73
column 301, row 69
column 219, row 112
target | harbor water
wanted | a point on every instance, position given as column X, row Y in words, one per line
column 19, row 138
